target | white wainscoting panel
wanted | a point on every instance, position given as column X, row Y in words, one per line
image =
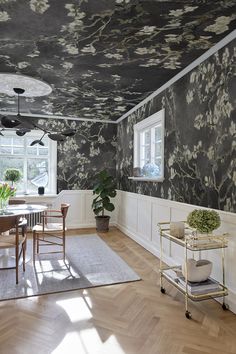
column 80, row 214
column 138, row 215
column 144, row 222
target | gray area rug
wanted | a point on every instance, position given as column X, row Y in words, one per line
column 89, row 263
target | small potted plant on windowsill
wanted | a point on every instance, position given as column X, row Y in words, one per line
column 104, row 189
column 13, row 175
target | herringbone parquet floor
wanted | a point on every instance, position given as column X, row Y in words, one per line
column 132, row 318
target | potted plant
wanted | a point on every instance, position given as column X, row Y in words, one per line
column 13, row 175
column 203, row 220
column 104, row 189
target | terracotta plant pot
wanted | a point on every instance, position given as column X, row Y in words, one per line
column 102, row 223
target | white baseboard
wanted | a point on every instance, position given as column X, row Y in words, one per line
column 86, row 226
column 145, row 244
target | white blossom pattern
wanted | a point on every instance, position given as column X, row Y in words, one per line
column 200, row 137
column 90, row 50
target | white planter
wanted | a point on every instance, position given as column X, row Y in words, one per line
column 197, row 270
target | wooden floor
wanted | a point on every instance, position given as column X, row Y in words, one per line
column 132, row 318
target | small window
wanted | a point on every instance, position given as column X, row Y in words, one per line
column 149, row 147
column 37, row 163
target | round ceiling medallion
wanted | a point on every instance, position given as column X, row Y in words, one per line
column 33, row 87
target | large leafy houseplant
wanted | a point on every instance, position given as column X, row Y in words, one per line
column 203, row 220
column 104, row 190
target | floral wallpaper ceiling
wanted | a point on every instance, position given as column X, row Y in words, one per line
column 103, row 57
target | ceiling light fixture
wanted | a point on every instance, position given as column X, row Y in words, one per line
column 32, row 87
column 24, row 124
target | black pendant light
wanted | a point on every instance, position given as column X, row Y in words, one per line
column 56, row 136
column 38, row 141
column 24, row 124
column 69, row 132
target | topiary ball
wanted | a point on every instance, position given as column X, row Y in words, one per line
column 204, row 220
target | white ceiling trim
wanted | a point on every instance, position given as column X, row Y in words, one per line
column 186, row 70
column 46, row 116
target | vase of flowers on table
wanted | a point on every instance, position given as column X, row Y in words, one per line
column 6, row 191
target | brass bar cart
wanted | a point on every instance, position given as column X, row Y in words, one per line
column 194, row 242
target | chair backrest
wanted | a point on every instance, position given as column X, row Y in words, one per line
column 64, row 209
column 8, row 222
column 16, row 201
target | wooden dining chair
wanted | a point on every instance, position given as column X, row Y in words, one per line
column 50, row 233
column 13, row 241
column 22, row 221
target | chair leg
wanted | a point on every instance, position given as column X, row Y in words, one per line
column 64, row 248
column 37, row 243
column 34, row 245
column 17, row 263
column 23, row 251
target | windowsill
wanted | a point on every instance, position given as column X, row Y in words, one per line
column 147, row 179
column 35, row 196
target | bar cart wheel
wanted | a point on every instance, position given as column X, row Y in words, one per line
column 188, row 315
column 163, row 290
column 225, row 307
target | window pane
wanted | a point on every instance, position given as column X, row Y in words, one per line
column 147, row 137
column 158, row 150
column 149, row 145
column 6, row 140
column 18, row 151
column 11, row 162
column 18, row 141
column 147, row 153
column 37, row 174
column 158, row 163
column 158, row 133
column 32, row 150
column 6, row 150
column 43, row 152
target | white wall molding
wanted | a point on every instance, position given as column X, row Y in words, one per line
column 138, row 215
column 80, row 214
column 48, row 116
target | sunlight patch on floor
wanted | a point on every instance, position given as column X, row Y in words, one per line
column 71, row 344
column 76, row 309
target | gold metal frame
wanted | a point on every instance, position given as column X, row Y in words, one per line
column 192, row 242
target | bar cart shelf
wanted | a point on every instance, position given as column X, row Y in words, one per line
column 194, row 242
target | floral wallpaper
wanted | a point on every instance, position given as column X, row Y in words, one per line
column 103, row 57
column 200, row 137
column 79, row 158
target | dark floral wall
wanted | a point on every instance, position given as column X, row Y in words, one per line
column 200, row 137
column 81, row 157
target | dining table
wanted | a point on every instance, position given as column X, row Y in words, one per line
column 7, row 260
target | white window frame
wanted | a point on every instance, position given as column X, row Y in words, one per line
column 148, row 123
column 52, row 160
